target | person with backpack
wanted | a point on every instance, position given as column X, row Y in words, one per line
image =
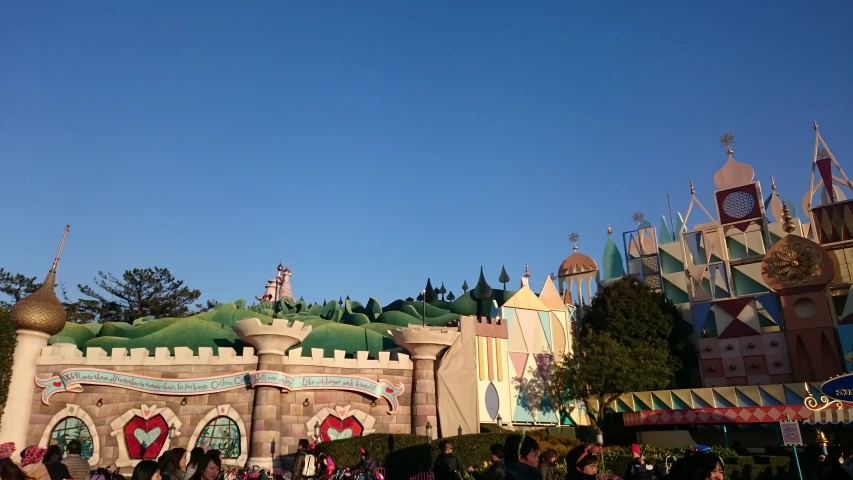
column 305, row 464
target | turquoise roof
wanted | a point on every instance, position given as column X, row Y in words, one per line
column 611, row 264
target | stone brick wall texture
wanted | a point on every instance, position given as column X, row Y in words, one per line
column 294, row 416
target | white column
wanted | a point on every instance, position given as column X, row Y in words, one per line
column 16, row 414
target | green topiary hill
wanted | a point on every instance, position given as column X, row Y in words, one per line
column 337, row 336
column 346, row 326
column 188, row 332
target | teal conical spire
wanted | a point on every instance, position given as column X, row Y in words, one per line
column 611, row 264
column 679, row 225
column 664, row 234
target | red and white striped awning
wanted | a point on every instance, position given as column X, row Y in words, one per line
column 831, row 415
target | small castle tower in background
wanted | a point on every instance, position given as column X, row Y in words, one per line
column 576, row 272
column 278, row 287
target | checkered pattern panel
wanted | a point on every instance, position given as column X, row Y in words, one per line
column 716, row 416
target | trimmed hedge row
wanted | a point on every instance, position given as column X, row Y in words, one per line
column 8, row 340
column 405, row 455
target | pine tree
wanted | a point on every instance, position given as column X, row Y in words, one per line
column 442, row 291
column 450, row 296
column 464, row 286
column 504, row 278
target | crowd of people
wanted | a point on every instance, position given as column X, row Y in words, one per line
column 520, row 458
column 39, row 463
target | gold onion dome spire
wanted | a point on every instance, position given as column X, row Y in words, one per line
column 42, row 311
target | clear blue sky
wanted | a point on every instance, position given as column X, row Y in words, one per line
column 376, row 144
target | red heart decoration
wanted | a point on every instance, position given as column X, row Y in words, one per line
column 147, row 427
column 145, row 412
column 340, row 425
column 222, row 410
column 57, row 384
column 389, row 390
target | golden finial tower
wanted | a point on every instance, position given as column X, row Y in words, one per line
column 36, row 318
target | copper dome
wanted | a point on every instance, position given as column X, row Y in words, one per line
column 577, row 263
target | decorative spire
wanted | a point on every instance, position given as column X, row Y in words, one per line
column 609, row 230
column 772, row 183
column 574, row 237
column 526, row 270
column 733, row 173
column 788, row 224
column 280, row 266
column 61, row 246
column 815, row 125
column 726, row 140
column 692, row 189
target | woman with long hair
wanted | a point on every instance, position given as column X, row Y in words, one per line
column 10, row 471
column 196, row 455
column 146, row 470
column 208, row 468
column 173, row 463
column 521, row 458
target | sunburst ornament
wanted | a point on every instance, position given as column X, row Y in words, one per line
column 726, row 140
column 574, row 237
column 638, row 217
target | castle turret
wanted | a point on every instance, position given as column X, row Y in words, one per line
column 36, row 318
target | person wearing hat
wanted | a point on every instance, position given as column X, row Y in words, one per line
column 638, row 469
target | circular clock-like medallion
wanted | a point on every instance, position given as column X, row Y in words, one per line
column 794, row 264
column 738, row 204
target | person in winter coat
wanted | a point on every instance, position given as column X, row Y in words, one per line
column 521, row 456
column 496, row 470
column 446, row 465
column 638, row 469
column 547, row 463
column 53, row 463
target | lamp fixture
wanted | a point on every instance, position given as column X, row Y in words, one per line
column 499, row 420
column 317, row 431
column 100, row 403
column 429, row 431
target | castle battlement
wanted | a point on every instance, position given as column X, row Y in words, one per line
column 69, row 354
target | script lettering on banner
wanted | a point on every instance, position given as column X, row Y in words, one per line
column 73, row 380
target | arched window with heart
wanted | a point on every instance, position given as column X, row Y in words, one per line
column 145, row 438
column 341, row 422
column 334, row 428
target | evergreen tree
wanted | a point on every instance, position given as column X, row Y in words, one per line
column 482, row 293
column 138, row 293
column 450, row 296
column 504, row 278
column 442, row 291
column 430, row 292
column 464, row 286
